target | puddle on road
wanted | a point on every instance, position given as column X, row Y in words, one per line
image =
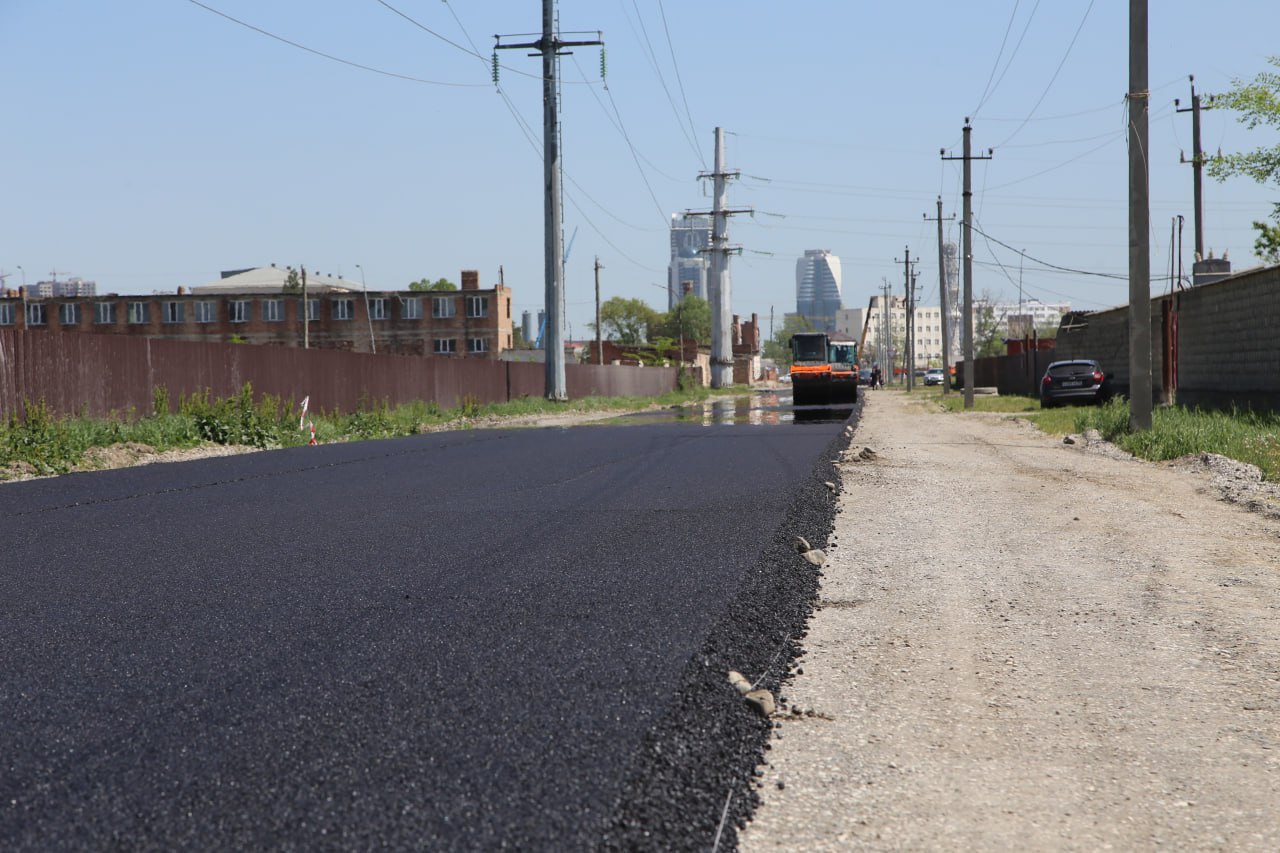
column 760, row 408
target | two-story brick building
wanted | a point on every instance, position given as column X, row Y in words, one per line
column 256, row 306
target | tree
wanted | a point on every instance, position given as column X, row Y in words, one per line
column 292, row 284
column 778, row 348
column 690, row 320
column 438, row 284
column 986, row 328
column 627, row 321
column 1258, row 102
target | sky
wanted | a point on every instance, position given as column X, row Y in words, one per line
column 151, row 144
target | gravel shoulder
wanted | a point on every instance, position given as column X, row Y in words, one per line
column 1024, row 644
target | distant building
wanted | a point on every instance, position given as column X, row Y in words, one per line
column 818, row 288
column 69, row 287
column 1020, row 320
column 253, row 307
column 687, row 271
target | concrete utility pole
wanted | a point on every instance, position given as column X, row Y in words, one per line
column 909, row 356
column 1197, row 162
column 886, row 324
column 306, row 311
column 967, row 249
column 1139, row 224
column 549, row 47
column 942, row 299
column 718, row 285
column 599, row 333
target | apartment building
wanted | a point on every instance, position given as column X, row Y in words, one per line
column 470, row 322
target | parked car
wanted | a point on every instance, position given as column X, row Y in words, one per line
column 1077, row 381
column 864, row 377
column 934, row 376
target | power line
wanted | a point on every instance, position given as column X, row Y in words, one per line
column 1026, row 27
column 679, row 81
column 1056, row 72
column 330, row 56
column 1046, row 263
column 982, row 99
column 653, row 63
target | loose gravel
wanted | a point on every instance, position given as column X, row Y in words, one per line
column 1024, row 644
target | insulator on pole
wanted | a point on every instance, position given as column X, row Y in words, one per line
column 495, row 68
column 604, row 64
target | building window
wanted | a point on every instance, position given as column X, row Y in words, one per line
column 477, row 306
column 273, row 310
column 238, row 310
column 378, row 309
column 174, row 312
column 445, row 346
column 37, row 314
column 104, row 313
column 343, row 309
column 313, row 310
column 69, row 314
column 477, row 344
column 139, row 312
column 443, row 307
column 6, row 313
column 411, row 308
column 206, row 312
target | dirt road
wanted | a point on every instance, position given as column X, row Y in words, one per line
column 1025, row 645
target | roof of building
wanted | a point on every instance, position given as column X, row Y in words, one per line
column 271, row 280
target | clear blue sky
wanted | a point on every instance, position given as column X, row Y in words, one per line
column 150, row 144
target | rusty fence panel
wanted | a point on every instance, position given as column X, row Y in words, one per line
column 101, row 375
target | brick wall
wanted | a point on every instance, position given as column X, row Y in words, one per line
column 472, row 323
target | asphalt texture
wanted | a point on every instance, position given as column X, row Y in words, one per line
column 463, row 641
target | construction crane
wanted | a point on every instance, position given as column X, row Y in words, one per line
column 542, row 328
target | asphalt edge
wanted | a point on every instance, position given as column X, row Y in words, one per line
column 693, row 779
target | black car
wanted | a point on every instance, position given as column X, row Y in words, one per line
column 1078, row 381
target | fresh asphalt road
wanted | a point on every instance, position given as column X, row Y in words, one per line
column 449, row 641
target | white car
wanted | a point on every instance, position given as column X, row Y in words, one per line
column 934, row 376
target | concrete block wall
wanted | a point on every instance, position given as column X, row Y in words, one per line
column 1104, row 337
column 1229, row 342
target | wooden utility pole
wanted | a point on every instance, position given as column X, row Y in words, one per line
column 967, row 249
column 942, row 301
column 1197, row 163
column 599, row 333
column 1139, row 224
column 549, row 47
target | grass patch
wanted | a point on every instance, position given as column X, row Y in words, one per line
column 1175, row 432
column 43, row 444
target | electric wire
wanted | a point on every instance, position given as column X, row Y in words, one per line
column 1056, row 72
column 680, row 81
column 653, row 63
column 330, row 56
column 1046, row 263
column 982, row 99
column 1025, row 28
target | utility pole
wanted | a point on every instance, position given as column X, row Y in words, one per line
column 909, row 343
column 967, row 249
column 718, row 276
column 942, row 300
column 549, row 47
column 599, row 333
column 1139, row 224
column 886, row 324
column 1197, row 161
column 306, row 311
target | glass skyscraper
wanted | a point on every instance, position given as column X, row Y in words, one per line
column 818, row 288
column 690, row 237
